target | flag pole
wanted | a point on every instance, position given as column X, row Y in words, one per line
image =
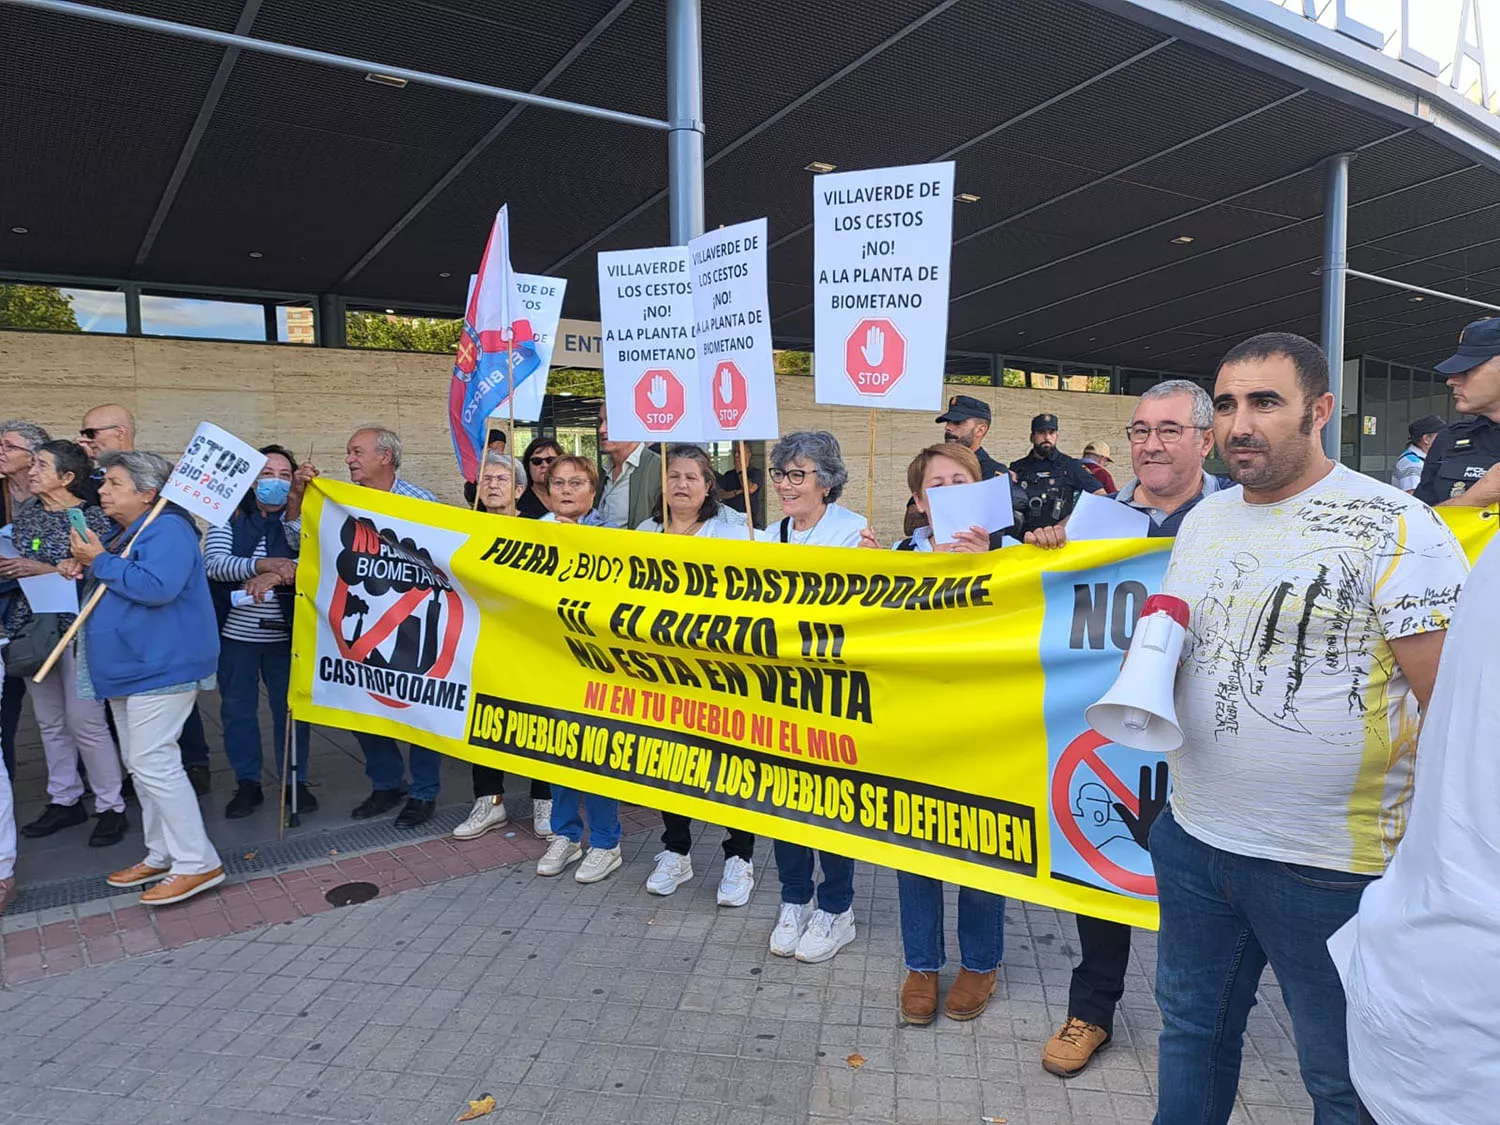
column 870, row 482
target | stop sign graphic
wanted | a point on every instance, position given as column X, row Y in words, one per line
column 875, row 356
column 731, row 395
column 658, row 400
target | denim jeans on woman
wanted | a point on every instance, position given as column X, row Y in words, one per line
column 242, row 667
column 603, row 817
column 981, row 925
column 1224, row 917
column 794, row 863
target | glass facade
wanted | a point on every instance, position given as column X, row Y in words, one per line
column 1389, row 396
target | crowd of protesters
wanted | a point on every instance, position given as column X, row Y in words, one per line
column 1279, row 824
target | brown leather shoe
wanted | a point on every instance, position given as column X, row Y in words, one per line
column 1069, row 1051
column 136, row 874
column 919, row 998
column 7, row 893
column 970, row 994
column 177, row 888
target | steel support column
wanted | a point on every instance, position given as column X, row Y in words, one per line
column 685, row 118
column 331, row 327
column 1335, row 263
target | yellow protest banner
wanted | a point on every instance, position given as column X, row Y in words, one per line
column 920, row 711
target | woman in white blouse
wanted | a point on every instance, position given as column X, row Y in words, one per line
column 693, row 508
column 807, row 471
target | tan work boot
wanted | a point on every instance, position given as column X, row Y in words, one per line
column 970, row 994
column 1073, row 1047
column 919, row 998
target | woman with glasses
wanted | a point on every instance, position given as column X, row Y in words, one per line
column 73, row 728
column 535, row 502
column 808, row 476
column 501, row 483
column 572, row 485
column 19, row 439
column 691, row 506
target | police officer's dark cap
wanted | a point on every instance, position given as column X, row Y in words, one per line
column 963, row 407
column 1427, row 424
column 1478, row 342
column 1043, row 422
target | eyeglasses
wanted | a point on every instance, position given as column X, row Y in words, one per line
column 91, row 432
column 796, row 476
column 569, row 483
column 12, row 447
column 540, row 461
column 1169, row 432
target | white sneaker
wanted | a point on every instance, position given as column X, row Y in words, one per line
column 488, row 814
column 738, row 881
column 599, row 864
column 789, row 926
column 561, row 852
column 825, row 935
column 672, row 870
column 541, row 819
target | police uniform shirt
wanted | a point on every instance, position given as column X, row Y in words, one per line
column 1059, row 468
column 1459, row 456
column 988, row 466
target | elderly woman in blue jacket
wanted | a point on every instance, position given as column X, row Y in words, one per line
column 149, row 647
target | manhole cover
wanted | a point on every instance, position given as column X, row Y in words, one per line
column 348, row 894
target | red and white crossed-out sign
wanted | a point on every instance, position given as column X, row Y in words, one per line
column 882, row 242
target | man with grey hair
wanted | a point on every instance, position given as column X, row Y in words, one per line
column 1171, row 434
column 373, row 457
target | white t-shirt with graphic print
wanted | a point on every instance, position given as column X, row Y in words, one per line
column 1299, row 729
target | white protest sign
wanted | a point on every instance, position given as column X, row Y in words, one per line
column 957, row 507
column 651, row 385
column 537, row 307
column 882, row 241
column 1098, row 517
column 216, row 470
column 733, row 320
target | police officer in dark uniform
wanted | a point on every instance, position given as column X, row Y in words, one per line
column 1463, row 465
column 1048, row 482
column 967, row 422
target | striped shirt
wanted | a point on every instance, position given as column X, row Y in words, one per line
column 260, row 623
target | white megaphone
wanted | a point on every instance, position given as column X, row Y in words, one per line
column 1138, row 711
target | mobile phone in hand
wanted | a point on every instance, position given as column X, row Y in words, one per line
column 77, row 522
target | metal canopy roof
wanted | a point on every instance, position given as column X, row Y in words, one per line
column 1092, row 140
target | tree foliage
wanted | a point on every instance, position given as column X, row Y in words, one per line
column 579, row 381
column 37, row 306
column 402, row 333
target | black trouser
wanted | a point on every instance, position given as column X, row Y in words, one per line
column 11, row 699
column 1099, row 978
column 489, row 782
column 678, row 837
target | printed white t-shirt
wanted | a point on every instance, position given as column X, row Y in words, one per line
column 1299, row 730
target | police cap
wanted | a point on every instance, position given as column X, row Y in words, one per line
column 963, row 407
column 1478, row 342
column 1043, row 422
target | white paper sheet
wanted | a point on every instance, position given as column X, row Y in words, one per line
column 956, row 507
column 50, row 593
column 1097, row 517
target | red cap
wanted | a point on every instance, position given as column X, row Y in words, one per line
column 1175, row 608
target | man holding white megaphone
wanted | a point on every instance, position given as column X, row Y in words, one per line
column 1318, row 602
column 1171, row 434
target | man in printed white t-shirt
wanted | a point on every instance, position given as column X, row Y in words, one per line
column 1319, row 599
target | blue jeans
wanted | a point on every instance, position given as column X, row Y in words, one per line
column 981, row 925
column 386, row 770
column 794, row 863
column 1223, row 918
column 603, row 814
column 242, row 666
